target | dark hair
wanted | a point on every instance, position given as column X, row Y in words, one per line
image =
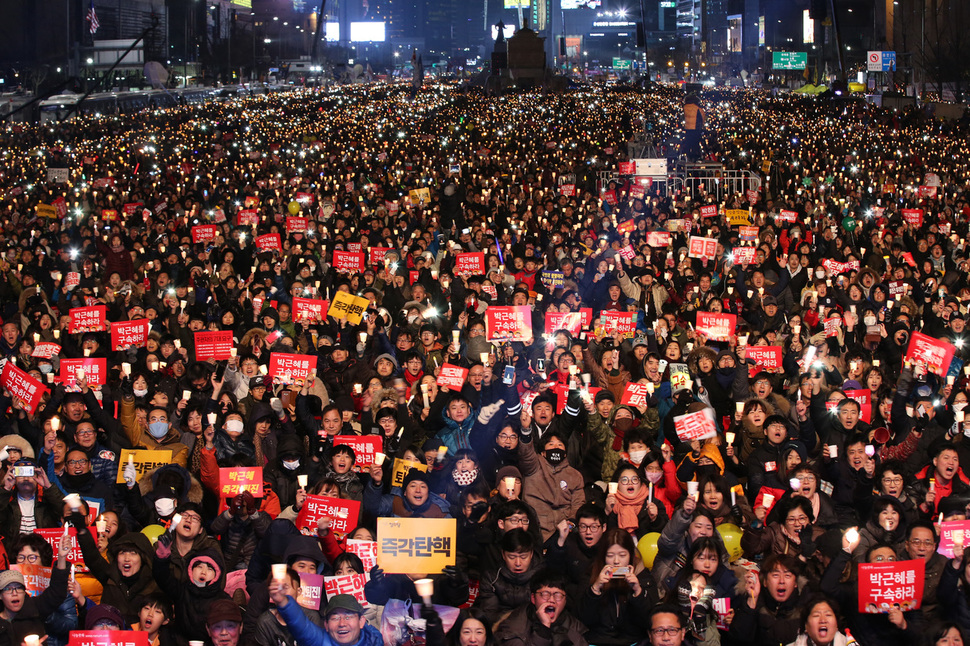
column 878, row 546
column 922, row 524
column 350, row 559
column 615, row 536
column 344, row 448
column 549, row 436
column 589, row 510
column 155, row 600
column 720, row 483
column 36, row 543
column 548, row 578
column 637, row 435
column 665, row 609
column 454, row 635
column 517, row 540
column 784, row 561
column 942, row 629
column 815, row 600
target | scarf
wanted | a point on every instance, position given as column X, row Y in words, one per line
column 627, row 509
column 403, row 509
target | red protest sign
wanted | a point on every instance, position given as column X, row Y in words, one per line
column 913, row 217
column 247, row 218
column 562, row 394
column 53, row 538
column 702, row 248
column 377, row 254
column 637, row 192
column 95, row 370
column 884, row 586
column 291, row 368
column 628, row 168
column 786, row 216
column 708, row 210
column 352, row 584
column 567, row 190
column 109, row 215
column 635, row 394
column 343, row 513
column 213, row 345
column 657, row 239
column 766, row 357
column 72, row 280
column 129, row 334
column 469, row 264
column 627, row 226
column 88, row 319
column 46, row 350
column 108, row 638
column 864, row 397
column 235, row 480
column 695, row 426
column 752, row 196
column 832, row 326
column 743, row 255
column 269, row 242
column 572, row 322
column 615, row 322
column 131, row 208
column 717, row 327
column 203, row 233
column 251, row 201
column 22, row 386
column 748, row 233
column 950, row 531
column 365, row 448
column 296, row 224
column 928, row 192
column 348, row 261
column 36, row 577
column 935, row 353
column 508, row 323
column 309, row 310
column 366, row 550
column 452, row 376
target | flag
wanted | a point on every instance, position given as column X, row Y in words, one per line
column 92, row 19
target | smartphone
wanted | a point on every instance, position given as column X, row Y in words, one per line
column 540, row 365
column 508, row 378
column 220, row 370
column 621, row 572
column 23, row 472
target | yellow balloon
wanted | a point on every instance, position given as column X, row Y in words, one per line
column 153, row 532
column 293, row 207
column 731, row 535
column 647, row 546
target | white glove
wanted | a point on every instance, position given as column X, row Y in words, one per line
column 130, row 474
column 488, row 412
column 277, row 405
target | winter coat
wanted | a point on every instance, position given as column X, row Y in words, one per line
column 47, row 510
column 522, row 628
column 30, row 619
column 556, row 493
column 121, row 592
column 501, row 591
column 309, row 634
column 611, row 619
column 191, row 601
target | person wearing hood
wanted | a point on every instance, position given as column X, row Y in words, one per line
column 610, row 429
column 767, row 613
column 290, row 462
column 506, row 587
column 126, row 574
column 887, row 525
column 550, row 485
column 415, row 498
column 202, row 583
column 188, row 536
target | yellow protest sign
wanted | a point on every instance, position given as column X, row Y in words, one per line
column 415, row 545
column 766, row 166
column 46, row 211
column 346, row 305
column 401, row 468
column 738, row 217
column 420, row 195
column 145, row 461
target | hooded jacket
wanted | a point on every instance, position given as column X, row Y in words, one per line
column 502, row 591
column 612, row 442
column 30, row 619
column 120, row 591
column 523, row 628
column 191, row 601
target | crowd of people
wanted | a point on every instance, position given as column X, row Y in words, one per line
column 618, row 470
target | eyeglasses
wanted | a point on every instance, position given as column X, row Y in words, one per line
column 29, row 558
column 512, row 521
column 666, row 631
column 545, row 595
column 629, row 480
column 507, row 436
column 590, row 528
column 915, row 542
column 76, row 463
column 88, row 431
column 897, row 480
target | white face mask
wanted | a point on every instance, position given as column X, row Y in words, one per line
column 870, row 320
column 637, row 456
column 958, row 406
column 140, row 393
column 234, row 426
column 820, row 273
column 292, row 465
column 165, row 506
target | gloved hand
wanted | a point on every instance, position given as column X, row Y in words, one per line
column 807, row 541
column 377, row 574
column 243, row 505
column 77, row 521
column 478, row 511
column 488, row 412
column 130, row 474
column 277, row 405
column 163, row 547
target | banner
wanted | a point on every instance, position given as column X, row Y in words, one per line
column 108, row 638
column 95, row 370
column 708, row 211
column 346, row 305
column 864, row 398
column 352, row 584
column 203, row 233
column 737, row 217
column 247, row 218
column 214, row 345
column 144, row 461
column 695, row 426
column 935, row 353
column 703, row 248
column 291, row 368
column 786, row 216
column 615, row 322
column 311, row 590
column 46, row 350
column 883, row 586
column 309, row 310
column 469, row 264
column 365, row 448
column 748, row 234
column 835, row 268
column 53, row 538
column 415, row 545
column 129, row 334
column 743, row 255
column 679, row 376
column 572, row 322
column 22, row 386
column 552, row 279
column 513, row 323
column 767, row 357
column 36, row 576
column 235, row 480
column 635, row 394
column 562, row 395
column 377, row 254
column 296, row 224
column 717, row 327
column 348, row 261
column 343, row 514
column 950, row 531
column 269, row 242
column 401, row 468
column 658, row 239
column 452, row 377
column 913, row 217
column 88, row 319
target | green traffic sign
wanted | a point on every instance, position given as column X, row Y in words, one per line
column 789, row 60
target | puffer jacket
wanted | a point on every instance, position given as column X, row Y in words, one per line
column 191, row 601
column 522, row 626
column 309, row 634
column 501, row 591
column 120, row 592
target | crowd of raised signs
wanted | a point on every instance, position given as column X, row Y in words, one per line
column 278, row 364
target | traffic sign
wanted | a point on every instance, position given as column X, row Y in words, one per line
column 789, row 60
column 881, row 61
